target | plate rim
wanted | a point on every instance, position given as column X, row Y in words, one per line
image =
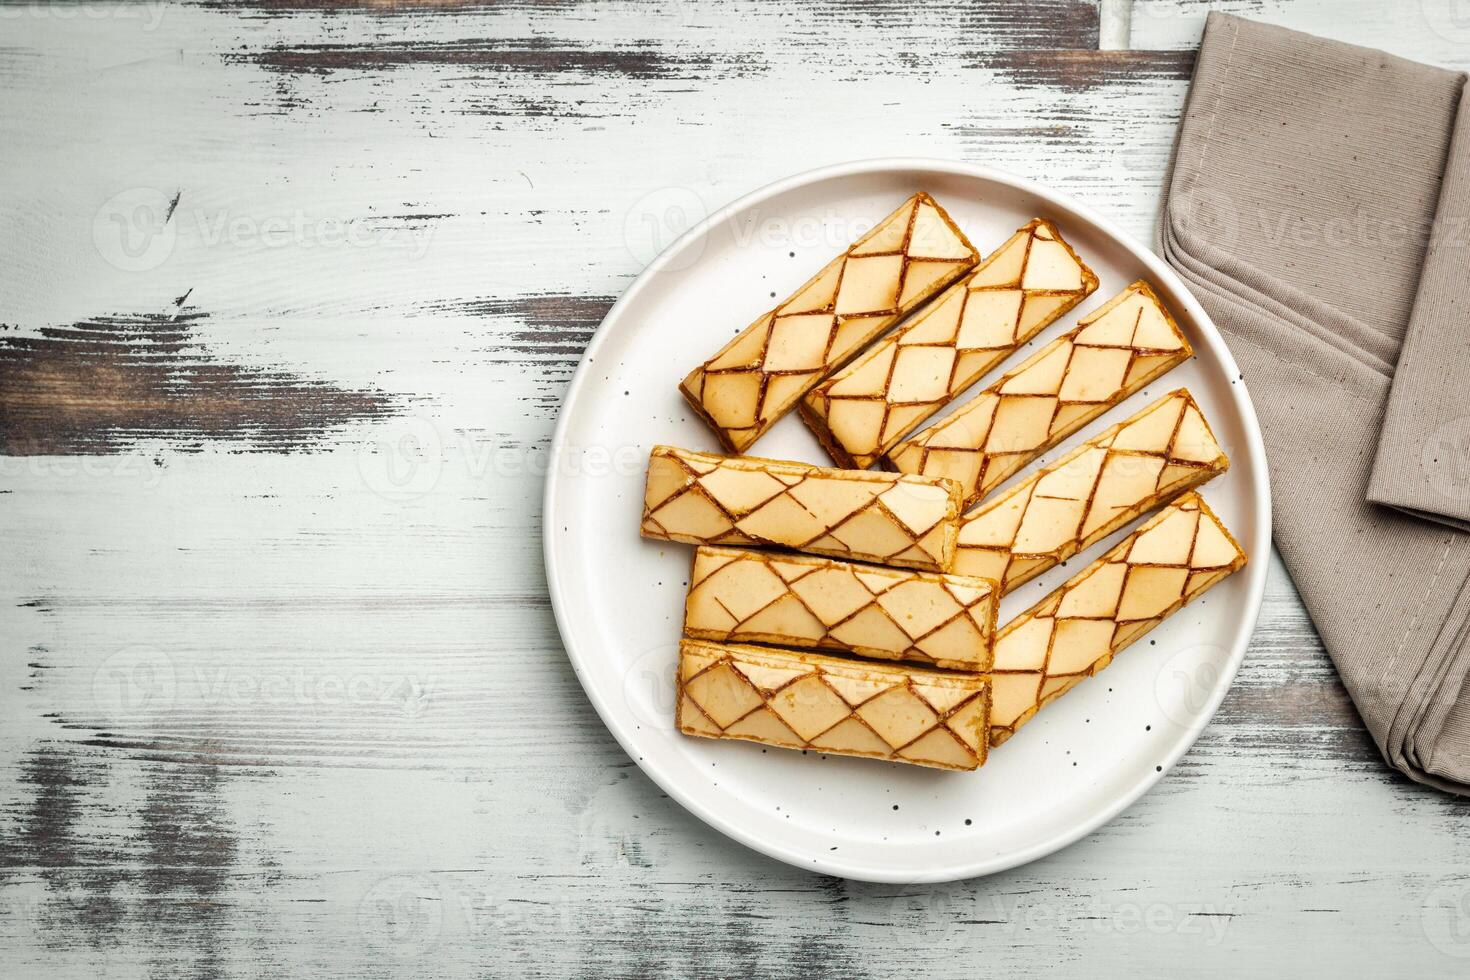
column 1256, row 570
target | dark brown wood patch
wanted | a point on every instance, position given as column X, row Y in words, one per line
column 536, row 56
column 100, row 386
column 1078, row 71
column 1029, row 24
column 553, row 325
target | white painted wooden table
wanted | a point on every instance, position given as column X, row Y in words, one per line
column 289, row 292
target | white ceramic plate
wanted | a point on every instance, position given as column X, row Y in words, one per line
column 619, row 598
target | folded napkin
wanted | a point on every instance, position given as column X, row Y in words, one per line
column 1319, row 208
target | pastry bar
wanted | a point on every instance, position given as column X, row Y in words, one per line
column 802, row 601
column 888, row 273
column 863, row 410
column 1139, row 464
column 1076, row 631
column 703, row 498
column 847, row 707
column 1112, row 353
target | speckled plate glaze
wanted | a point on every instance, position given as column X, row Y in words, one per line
column 619, row 598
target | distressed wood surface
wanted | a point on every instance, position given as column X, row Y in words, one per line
column 290, row 293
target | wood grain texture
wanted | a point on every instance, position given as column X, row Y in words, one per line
column 280, row 689
column 1082, row 71
column 104, row 384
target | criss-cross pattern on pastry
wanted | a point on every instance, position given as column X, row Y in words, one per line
column 1110, row 354
column 808, row 701
column 891, row 271
column 800, row 601
column 702, row 498
column 1141, row 463
column 1028, row 283
column 1075, row 632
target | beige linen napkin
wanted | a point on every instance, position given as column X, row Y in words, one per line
column 1319, row 208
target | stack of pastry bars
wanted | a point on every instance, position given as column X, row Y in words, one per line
column 854, row 611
